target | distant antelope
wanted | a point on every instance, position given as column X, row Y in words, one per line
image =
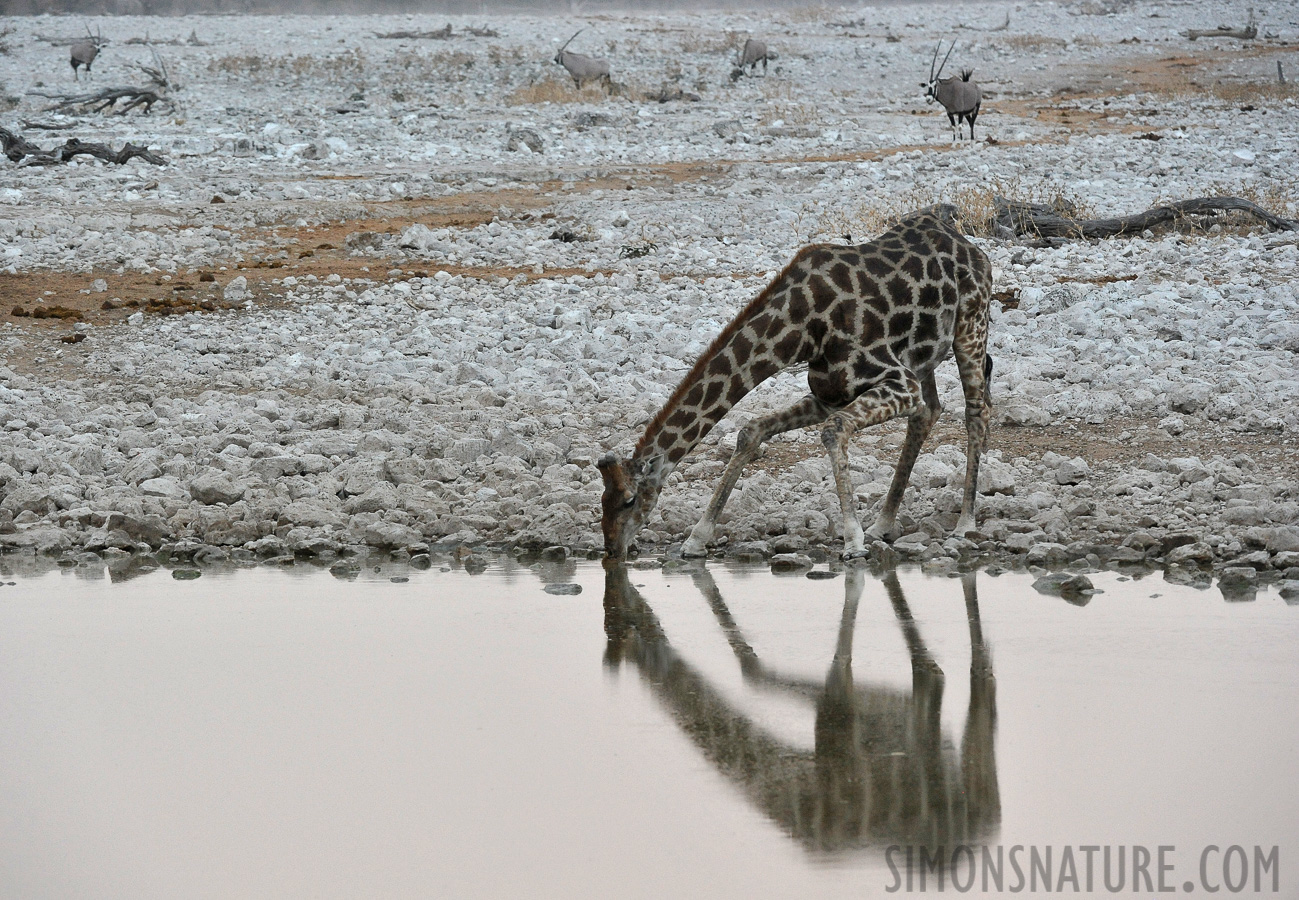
column 960, row 97
column 583, row 68
column 753, row 53
column 84, row 52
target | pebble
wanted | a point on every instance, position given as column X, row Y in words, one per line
column 443, row 407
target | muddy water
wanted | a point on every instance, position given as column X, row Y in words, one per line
column 726, row 732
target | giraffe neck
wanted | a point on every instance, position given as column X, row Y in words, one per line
column 735, row 364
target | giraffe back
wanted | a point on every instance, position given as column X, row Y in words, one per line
column 854, row 312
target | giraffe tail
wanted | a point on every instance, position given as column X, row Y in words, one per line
column 987, row 379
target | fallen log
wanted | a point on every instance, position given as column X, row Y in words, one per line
column 439, row 35
column 1248, row 33
column 18, row 149
column 1046, row 222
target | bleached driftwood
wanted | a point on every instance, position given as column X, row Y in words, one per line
column 1043, row 221
column 20, row 150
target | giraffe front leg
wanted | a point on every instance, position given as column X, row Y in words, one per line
column 976, row 427
column 748, row 442
column 898, row 395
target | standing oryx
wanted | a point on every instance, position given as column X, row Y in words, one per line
column 583, row 68
column 754, row 52
column 961, row 96
column 84, row 52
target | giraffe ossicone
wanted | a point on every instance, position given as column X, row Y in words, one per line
column 871, row 321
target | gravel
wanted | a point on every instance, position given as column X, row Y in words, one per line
column 347, row 413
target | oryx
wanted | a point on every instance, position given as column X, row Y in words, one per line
column 582, row 68
column 84, row 52
column 960, row 96
column 754, row 52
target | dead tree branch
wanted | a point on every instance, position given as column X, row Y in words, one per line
column 106, row 99
column 19, row 150
column 1043, row 221
column 16, row 146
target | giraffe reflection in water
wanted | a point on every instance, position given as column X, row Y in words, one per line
column 880, row 772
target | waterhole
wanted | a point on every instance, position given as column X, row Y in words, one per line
column 709, row 731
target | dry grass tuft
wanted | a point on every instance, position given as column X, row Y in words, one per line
column 554, row 90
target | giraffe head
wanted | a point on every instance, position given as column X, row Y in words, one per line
column 631, row 491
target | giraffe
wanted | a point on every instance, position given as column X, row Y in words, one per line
column 881, row 769
column 871, row 322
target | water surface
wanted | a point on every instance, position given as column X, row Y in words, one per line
column 722, row 732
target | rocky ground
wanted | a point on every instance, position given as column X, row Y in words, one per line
column 355, row 311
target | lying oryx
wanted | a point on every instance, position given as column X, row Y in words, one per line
column 583, row 68
column 960, row 97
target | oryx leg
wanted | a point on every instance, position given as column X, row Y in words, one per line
column 918, row 427
column 897, row 394
column 971, row 349
column 748, row 442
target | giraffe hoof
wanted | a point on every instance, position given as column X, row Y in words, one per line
column 887, row 535
column 855, row 554
column 692, row 550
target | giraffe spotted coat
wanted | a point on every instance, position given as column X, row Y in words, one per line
column 871, row 322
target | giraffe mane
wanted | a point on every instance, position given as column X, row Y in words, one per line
column 719, row 342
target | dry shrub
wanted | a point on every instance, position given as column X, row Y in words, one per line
column 445, row 67
column 774, row 89
column 1032, row 43
column 1238, row 92
column 500, row 56
column 976, row 203
column 345, row 66
column 554, row 90
column 811, row 13
column 700, row 42
column 790, row 114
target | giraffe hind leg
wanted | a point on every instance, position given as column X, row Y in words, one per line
column 918, row 428
column 748, row 442
column 975, row 367
column 897, row 394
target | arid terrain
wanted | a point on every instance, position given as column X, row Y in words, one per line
column 353, row 309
